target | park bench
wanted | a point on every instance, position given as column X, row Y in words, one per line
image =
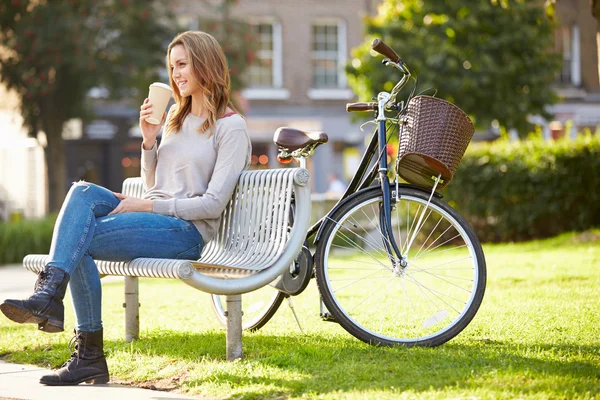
column 254, row 245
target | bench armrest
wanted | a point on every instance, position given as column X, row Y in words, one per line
column 293, row 246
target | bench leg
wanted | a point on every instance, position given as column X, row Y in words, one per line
column 132, row 308
column 234, row 327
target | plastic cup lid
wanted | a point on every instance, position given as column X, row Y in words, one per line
column 162, row 85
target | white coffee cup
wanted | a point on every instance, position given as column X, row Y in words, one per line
column 159, row 96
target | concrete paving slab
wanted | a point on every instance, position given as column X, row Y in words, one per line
column 15, row 282
column 22, row 382
column 19, row 382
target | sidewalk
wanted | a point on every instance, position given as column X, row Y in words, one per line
column 15, row 281
column 22, row 381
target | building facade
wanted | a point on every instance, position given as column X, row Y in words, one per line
column 578, row 85
column 22, row 167
column 299, row 79
column 299, row 82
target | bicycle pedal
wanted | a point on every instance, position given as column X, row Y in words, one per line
column 328, row 317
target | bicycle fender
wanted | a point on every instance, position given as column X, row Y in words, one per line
column 370, row 189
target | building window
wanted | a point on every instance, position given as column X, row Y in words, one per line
column 328, row 54
column 265, row 76
column 567, row 44
column 564, row 45
column 260, row 73
column 265, row 72
column 325, row 55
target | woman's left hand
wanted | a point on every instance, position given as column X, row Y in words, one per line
column 131, row 204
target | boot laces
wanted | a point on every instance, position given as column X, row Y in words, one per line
column 74, row 348
column 41, row 281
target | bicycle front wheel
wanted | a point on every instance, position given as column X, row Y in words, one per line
column 376, row 299
column 258, row 307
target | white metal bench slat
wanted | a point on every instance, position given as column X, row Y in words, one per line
column 253, row 246
column 252, row 234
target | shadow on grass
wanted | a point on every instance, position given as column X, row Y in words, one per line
column 294, row 365
column 345, row 364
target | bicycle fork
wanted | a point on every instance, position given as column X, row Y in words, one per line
column 385, row 210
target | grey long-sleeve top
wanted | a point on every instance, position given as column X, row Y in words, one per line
column 192, row 175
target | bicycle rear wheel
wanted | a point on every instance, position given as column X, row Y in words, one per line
column 426, row 303
column 258, row 307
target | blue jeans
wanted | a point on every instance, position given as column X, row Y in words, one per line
column 84, row 231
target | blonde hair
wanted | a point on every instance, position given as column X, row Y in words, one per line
column 209, row 68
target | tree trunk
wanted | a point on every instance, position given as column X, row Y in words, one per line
column 55, row 162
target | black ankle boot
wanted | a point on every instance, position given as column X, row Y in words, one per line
column 87, row 363
column 45, row 306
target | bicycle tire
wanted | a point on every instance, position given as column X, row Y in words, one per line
column 426, row 304
column 257, row 310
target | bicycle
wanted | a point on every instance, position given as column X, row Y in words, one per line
column 394, row 263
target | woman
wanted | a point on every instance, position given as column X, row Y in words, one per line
column 188, row 183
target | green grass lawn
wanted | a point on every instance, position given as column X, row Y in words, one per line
column 536, row 336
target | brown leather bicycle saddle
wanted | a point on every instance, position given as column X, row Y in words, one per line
column 294, row 139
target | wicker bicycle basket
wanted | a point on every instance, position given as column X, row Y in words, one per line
column 433, row 140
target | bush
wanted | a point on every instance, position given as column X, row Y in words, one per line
column 17, row 239
column 529, row 189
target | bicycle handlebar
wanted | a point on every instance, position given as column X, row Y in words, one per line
column 379, row 46
column 354, row 107
column 392, row 59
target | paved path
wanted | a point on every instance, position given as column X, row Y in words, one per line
column 22, row 381
column 15, row 281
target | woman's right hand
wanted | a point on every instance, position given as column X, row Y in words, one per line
column 149, row 131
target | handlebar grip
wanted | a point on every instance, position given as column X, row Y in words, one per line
column 357, row 107
column 379, row 46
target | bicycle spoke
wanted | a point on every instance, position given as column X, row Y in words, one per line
column 359, row 269
column 368, row 297
column 422, row 220
column 435, row 294
column 410, row 231
column 441, row 265
column 438, row 252
column 355, row 282
column 399, row 231
column 379, row 229
column 348, row 240
column 428, row 236
column 380, row 301
column 432, row 243
column 438, row 276
column 449, row 240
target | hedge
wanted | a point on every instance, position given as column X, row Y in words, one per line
column 511, row 191
column 17, row 239
column 508, row 191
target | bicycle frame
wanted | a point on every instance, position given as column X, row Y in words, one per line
column 366, row 210
column 362, row 179
column 364, row 176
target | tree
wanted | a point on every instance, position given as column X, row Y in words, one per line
column 491, row 57
column 56, row 51
column 237, row 38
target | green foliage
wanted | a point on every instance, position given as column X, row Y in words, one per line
column 237, row 38
column 529, row 189
column 491, row 57
column 17, row 239
column 58, row 50
column 54, row 52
